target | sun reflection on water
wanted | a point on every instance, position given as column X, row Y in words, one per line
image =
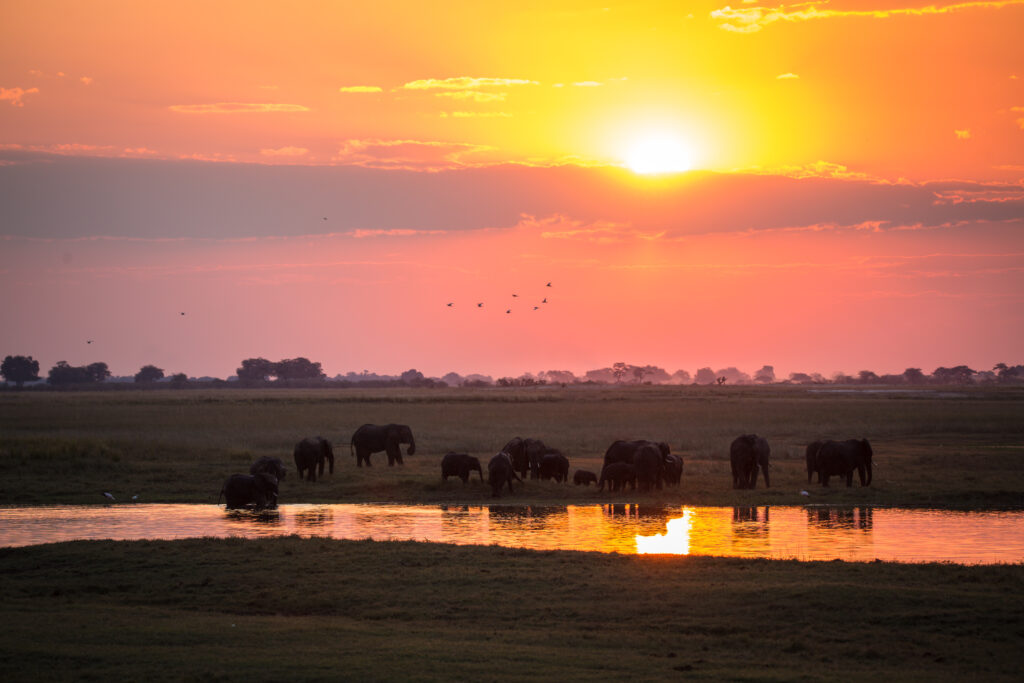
column 675, row 540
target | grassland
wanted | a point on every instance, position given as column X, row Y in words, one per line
column 317, row 609
column 942, row 448
column 320, row 609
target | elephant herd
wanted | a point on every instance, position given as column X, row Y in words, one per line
column 639, row 465
column 260, row 487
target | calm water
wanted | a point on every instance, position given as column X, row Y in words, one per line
column 808, row 533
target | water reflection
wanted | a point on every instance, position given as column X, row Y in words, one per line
column 860, row 533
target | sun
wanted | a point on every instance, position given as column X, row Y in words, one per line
column 658, row 153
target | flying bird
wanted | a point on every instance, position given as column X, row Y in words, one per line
column 549, row 284
column 183, row 312
column 450, row 304
column 545, row 300
column 88, row 341
column 325, row 217
column 480, row 305
column 509, row 310
column 514, row 296
column 109, row 495
column 536, row 307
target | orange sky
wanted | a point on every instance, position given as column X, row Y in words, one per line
column 856, row 199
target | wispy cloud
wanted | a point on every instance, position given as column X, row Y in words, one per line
column 410, row 155
column 466, row 83
column 786, row 77
column 360, row 88
column 1019, row 110
column 284, row 151
column 236, row 108
column 15, row 95
column 964, row 134
column 560, row 227
column 587, row 84
column 473, row 95
column 753, row 19
column 361, row 234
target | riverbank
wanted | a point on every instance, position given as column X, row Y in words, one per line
column 317, row 609
column 957, row 449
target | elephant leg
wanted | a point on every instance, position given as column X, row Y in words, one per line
column 824, row 479
column 849, row 478
column 362, row 454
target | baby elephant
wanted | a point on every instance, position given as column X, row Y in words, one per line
column 584, row 477
column 258, row 490
column 269, row 465
column 460, row 465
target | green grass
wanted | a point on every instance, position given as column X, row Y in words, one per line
column 318, row 609
column 962, row 448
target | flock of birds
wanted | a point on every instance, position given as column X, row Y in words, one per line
column 480, row 304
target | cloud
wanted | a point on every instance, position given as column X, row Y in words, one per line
column 786, row 77
column 399, row 232
column 236, row 108
column 14, row 95
column 587, row 84
column 86, row 80
column 284, row 152
column 1019, row 110
column 474, row 95
column 753, row 19
column 559, row 227
column 962, row 134
column 409, row 155
column 817, row 169
column 360, row 88
column 466, row 83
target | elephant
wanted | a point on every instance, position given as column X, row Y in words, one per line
column 500, row 472
column 648, row 462
column 812, row 459
column 310, row 455
column 516, row 449
column 460, row 465
column 746, row 453
column 842, row 457
column 269, row 465
column 554, row 465
column 624, row 451
column 240, row 490
column 535, row 450
column 617, row 474
column 370, row 439
column 672, row 470
column 585, row 477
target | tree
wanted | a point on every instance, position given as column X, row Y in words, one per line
column 618, row 371
column 557, row 376
column 1008, row 373
column 800, row 378
column 19, row 369
column 255, row 370
column 98, row 371
column 297, row 368
column 148, row 374
column 961, row 374
column 705, row 376
column 63, row 374
column 680, row 377
column 765, row 375
column 412, row 378
column 867, row 377
column 914, row 376
column 179, row 380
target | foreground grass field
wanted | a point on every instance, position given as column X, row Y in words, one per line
column 317, row 609
column 938, row 448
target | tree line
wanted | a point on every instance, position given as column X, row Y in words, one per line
column 19, row 370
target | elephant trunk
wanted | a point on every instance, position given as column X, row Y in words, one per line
column 412, row 446
column 767, row 477
column 869, row 473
